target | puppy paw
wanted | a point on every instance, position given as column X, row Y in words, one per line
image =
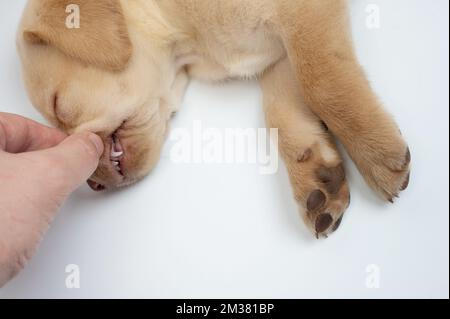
column 321, row 189
column 385, row 166
column 326, row 205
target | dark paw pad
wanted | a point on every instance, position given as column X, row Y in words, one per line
column 316, row 200
column 332, row 178
column 323, row 222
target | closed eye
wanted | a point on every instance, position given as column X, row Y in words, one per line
column 55, row 104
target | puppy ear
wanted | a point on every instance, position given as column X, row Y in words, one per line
column 92, row 31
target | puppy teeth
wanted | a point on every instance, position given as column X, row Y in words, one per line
column 115, row 154
column 115, row 163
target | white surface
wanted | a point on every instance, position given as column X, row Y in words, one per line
column 226, row 231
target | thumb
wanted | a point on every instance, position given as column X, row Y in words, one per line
column 76, row 158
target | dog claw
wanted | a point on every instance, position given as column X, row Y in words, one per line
column 406, row 182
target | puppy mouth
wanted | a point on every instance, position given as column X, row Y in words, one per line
column 116, row 153
column 113, row 163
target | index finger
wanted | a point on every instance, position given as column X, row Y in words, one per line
column 19, row 134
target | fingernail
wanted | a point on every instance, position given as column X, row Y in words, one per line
column 97, row 142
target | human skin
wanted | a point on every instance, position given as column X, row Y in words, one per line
column 39, row 168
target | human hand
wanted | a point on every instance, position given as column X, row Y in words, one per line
column 39, row 168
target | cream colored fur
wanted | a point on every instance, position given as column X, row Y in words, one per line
column 124, row 73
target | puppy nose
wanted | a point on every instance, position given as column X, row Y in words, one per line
column 96, row 186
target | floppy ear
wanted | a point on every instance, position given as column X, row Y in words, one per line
column 100, row 38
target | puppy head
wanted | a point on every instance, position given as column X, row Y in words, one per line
column 95, row 78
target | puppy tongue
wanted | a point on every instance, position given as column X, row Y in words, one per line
column 96, row 186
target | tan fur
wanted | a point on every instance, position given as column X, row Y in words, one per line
column 126, row 69
column 102, row 40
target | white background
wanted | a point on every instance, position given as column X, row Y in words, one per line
column 204, row 231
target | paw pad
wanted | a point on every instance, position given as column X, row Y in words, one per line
column 332, row 178
column 316, row 200
column 323, row 222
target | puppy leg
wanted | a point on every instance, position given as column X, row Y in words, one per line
column 313, row 162
column 317, row 38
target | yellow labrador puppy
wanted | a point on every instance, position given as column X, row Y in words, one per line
column 122, row 73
